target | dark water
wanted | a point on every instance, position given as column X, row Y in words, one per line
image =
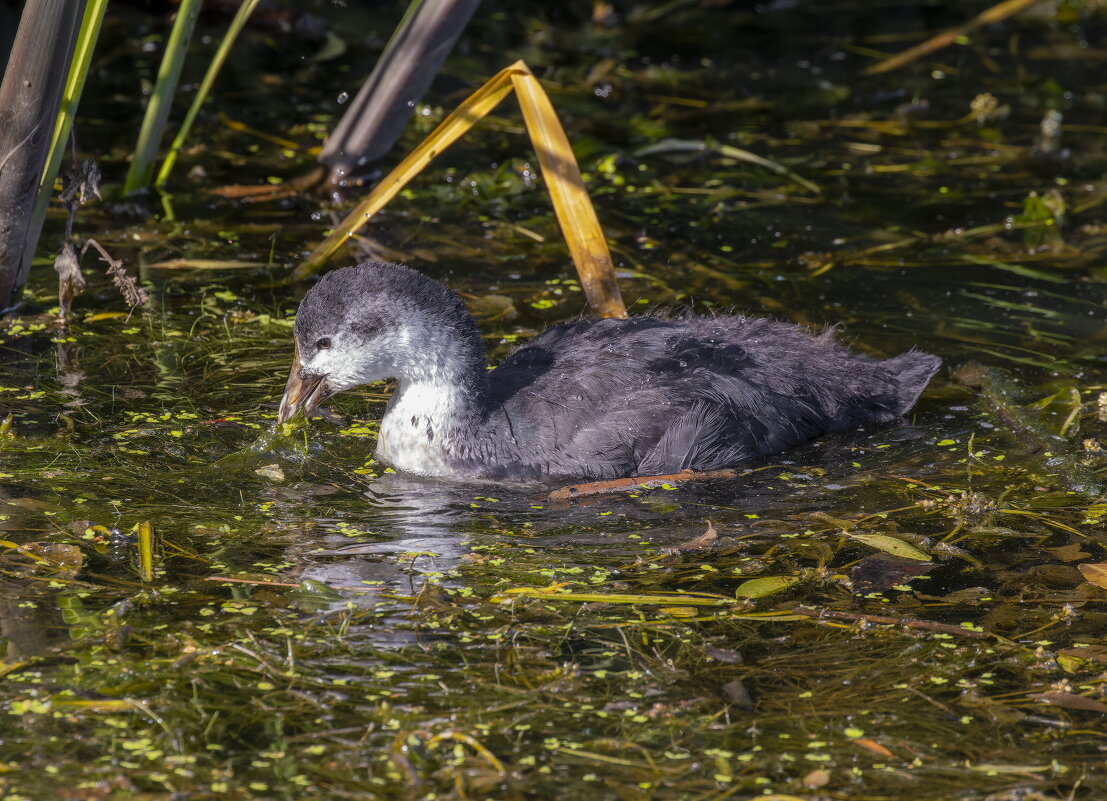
column 385, row 636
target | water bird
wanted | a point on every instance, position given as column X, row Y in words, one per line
column 591, row 399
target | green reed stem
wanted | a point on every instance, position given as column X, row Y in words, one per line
column 224, row 49
column 157, row 111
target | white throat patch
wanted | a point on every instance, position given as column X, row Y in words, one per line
column 414, row 434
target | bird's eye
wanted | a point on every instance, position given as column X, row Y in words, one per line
column 323, row 343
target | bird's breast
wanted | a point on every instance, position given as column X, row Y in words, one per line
column 418, row 428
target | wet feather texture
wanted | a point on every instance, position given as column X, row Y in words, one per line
column 594, row 399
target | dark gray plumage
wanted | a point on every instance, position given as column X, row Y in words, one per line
column 591, row 399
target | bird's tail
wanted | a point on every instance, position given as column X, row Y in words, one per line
column 912, row 372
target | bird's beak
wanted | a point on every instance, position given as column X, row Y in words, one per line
column 300, row 391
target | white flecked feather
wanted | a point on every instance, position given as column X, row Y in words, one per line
column 412, row 433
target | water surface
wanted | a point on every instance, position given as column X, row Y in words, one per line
column 319, row 627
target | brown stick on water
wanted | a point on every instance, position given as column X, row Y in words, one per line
column 29, row 100
column 636, row 482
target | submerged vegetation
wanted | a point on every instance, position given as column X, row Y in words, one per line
column 194, row 608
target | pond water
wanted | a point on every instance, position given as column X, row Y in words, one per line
column 883, row 613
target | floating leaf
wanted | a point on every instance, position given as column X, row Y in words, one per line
column 817, row 778
column 680, row 611
column 727, row 656
column 492, row 308
column 875, row 747
column 1068, row 553
column 1095, row 573
column 9, row 667
column 892, row 545
column 767, row 585
column 878, row 572
column 735, row 692
column 273, row 472
column 702, row 541
column 56, row 556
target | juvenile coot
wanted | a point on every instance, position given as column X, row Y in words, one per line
column 593, row 399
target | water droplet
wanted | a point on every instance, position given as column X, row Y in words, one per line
column 343, row 97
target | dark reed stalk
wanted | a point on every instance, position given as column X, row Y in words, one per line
column 383, row 106
column 30, row 96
